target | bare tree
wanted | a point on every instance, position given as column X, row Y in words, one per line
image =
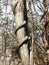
column 18, row 10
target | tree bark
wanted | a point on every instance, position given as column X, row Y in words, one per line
column 18, row 9
column 30, row 20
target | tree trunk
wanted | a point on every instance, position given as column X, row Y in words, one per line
column 30, row 20
column 18, row 9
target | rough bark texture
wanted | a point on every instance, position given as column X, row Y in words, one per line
column 18, row 9
column 30, row 20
